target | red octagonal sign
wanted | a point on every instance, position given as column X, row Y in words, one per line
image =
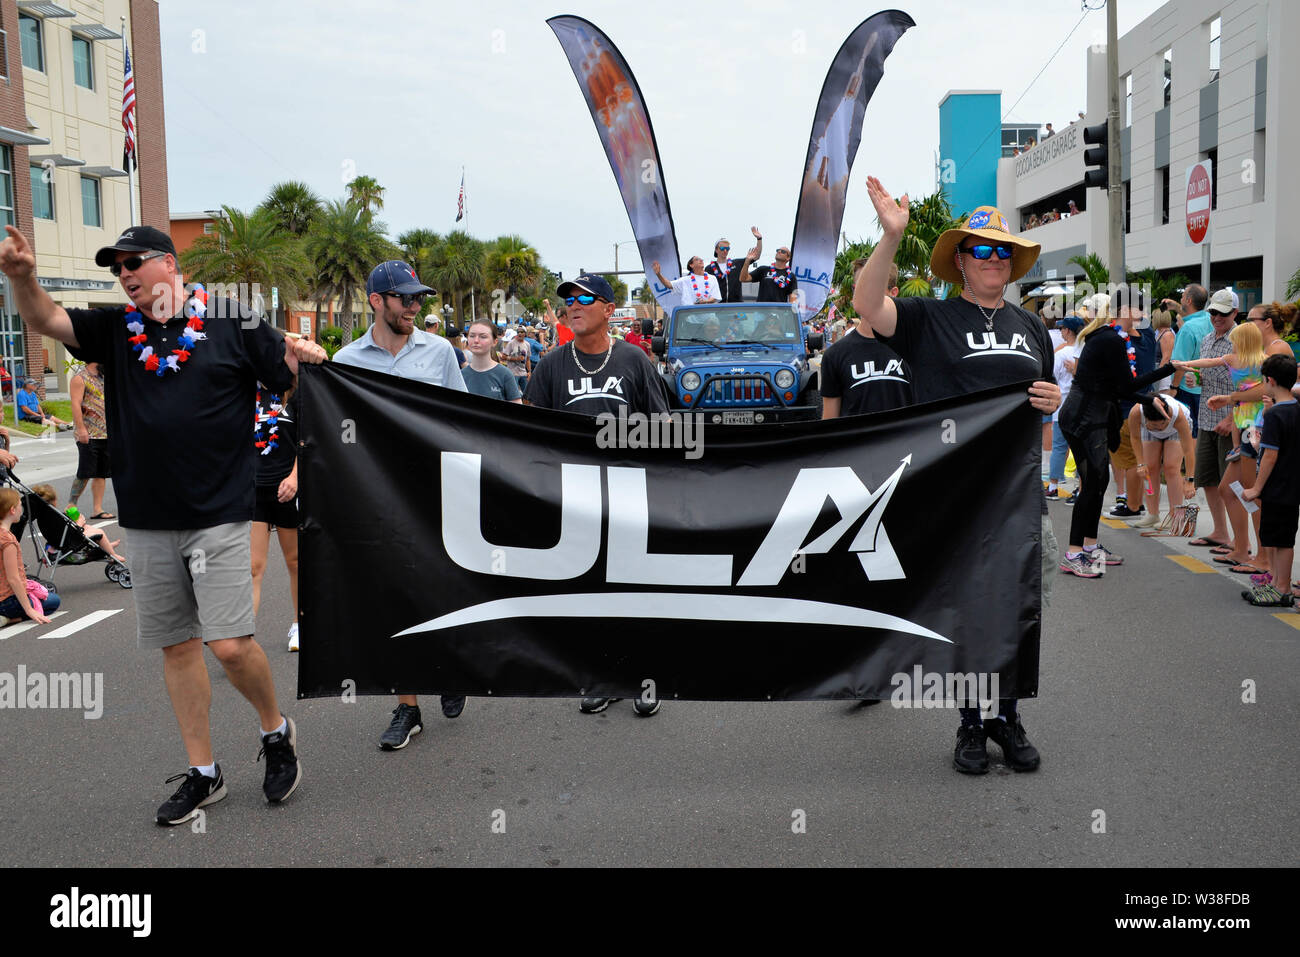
column 1198, row 202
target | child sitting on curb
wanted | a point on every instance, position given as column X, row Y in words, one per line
column 15, row 603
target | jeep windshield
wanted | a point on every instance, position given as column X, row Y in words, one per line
column 746, row 324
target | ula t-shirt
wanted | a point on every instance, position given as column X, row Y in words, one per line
column 865, row 375
column 496, row 383
column 628, row 381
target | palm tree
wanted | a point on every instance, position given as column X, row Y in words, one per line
column 1095, row 271
column 293, row 205
column 929, row 217
column 366, row 192
column 343, row 247
column 619, row 286
column 248, row 250
column 459, row 266
column 1293, row 286
column 513, row 265
column 419, row 247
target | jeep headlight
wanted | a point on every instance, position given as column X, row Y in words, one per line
column 784, row 379
column 691, row 381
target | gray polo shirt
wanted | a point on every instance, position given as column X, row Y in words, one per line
column 425, row 357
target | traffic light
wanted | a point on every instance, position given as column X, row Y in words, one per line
column 1096, row 161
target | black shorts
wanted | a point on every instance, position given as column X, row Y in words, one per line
column 277, row 514
column 92, row 460
column 1278, row 524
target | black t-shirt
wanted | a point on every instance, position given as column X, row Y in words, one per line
column 950, row 350
column 1102, row 378
column 774, row 285
column 182, row 458
column 1282, row 432
column 866, row 375
column 628, row 381
column 275, row 436
column 728, row 279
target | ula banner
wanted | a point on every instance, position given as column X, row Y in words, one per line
column 621, row 119
column 461, row 545
column 836, row 132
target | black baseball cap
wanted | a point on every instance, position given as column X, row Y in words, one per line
column 137, row 239
column 595, row 285
column 395, row 276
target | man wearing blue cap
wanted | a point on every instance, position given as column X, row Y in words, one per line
column 394, row 345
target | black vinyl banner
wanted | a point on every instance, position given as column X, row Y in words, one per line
column 456, row 544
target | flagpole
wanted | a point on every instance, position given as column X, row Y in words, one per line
column 473, row 309
column 130, row 166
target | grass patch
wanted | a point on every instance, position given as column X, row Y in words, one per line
column 59, row 408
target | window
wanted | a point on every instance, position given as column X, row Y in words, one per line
column 42, row 193
column 1216, row 42
column 1128, row 100
column 7, row 186
column 1169, row 75
column 207, row 229
column 29, row 28
column 1128, row 208
column 1162, row 176
column 83, row 63
column 90, row 201
column 1256, row 169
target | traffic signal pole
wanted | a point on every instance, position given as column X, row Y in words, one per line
column 1115, row 185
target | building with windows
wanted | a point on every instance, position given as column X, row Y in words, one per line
column 1199, row 80
column 62, row 181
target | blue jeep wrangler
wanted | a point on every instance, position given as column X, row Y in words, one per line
column 741, row 363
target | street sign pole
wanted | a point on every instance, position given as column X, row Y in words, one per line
column 1115, row 191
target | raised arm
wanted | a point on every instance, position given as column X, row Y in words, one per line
column 658, row 275
column 43, row 314
column 870, row 290
column 758, row 249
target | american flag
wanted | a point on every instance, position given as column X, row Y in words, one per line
column 460, row 202
column 128, row 110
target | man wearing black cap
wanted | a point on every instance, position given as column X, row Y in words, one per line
column 181, row 381
column 727, row 270
column 596, row 373
column 392, row 344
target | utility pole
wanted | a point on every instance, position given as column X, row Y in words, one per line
column 1115, row 186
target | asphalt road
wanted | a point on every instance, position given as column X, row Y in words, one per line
column 1141, row 718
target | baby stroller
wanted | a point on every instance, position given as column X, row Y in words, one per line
column 57, row 540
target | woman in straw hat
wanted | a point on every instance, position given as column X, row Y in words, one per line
column 955, row 347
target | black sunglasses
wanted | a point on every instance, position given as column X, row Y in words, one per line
column 414, row 299
column 584, row 300
column 984, row 252
column 132, row 263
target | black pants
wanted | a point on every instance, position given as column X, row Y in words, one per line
column 1092, row 459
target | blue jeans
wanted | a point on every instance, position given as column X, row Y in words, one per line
column 1060, row 452
column 1193, row 402
column 10, row 608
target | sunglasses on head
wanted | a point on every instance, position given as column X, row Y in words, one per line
column 982, row 252
column 583, row 300
column 132, row 263
column 413, row 299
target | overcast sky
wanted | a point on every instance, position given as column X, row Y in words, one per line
column 411, row 92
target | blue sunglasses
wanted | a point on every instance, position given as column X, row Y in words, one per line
column 984, row 252
column 584, row 300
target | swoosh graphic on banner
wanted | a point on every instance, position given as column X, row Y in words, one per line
column 1000, row 352
column 877, row 378
column 749, row 608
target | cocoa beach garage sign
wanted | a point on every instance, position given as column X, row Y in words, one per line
column 1051, row 149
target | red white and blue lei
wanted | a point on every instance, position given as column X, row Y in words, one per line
column 196, row 307
column 271, row 416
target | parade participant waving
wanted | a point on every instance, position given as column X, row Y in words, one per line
column 776, row 283
column 696, row 288
column 181, row 374
column 947, row 344
column 727, row 270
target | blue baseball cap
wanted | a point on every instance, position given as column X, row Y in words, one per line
column 1074, row 323
column 395, row 276
column 596, row 285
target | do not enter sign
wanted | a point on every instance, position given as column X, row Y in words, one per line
column 1198, row 201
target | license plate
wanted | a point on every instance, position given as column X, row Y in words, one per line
column 738, row 418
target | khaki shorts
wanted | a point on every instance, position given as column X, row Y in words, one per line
column 191, row 584
column 1123, row 458
column 1211, row 457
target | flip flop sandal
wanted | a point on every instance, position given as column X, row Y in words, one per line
column 1245, row 570
column 103, row 515
column 1227, row 561
column 1207, row 542
column 1221, row 550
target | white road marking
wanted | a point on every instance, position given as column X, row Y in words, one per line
column 85, row 621
column 12, row 630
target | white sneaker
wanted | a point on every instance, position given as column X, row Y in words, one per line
column 293, row 637
column 1150, row 520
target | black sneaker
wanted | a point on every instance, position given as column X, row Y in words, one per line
column 452, row 705
column 644, row 710
column 1019, row 754
column 971, row 755
column 283, row 769
column 1123, row 511
column 196, row 791
column 595, row 705
column 406, row 722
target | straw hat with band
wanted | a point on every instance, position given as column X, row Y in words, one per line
column 988, row 225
